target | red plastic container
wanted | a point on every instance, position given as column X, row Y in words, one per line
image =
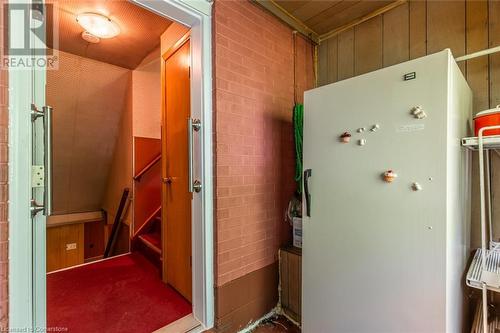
column 487, row 118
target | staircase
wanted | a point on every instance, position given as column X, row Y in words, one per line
column 147, row 240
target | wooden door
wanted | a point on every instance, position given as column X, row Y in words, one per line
column 176, row 203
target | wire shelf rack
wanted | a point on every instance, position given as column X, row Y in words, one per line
column 489, row 142
column 475, row 276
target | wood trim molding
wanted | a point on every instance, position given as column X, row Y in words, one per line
column 288, row 18
column 75, row 218
column 360, row 20
column 302, row 28
column 149, row 219
column 147, row 167
column 246, row 299
column 176, row 46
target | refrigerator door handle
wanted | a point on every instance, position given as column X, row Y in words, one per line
column 307, row 174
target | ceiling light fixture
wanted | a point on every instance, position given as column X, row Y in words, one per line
column 98, row 25
column 88, row 37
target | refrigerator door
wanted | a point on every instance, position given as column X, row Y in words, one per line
column 374, row 251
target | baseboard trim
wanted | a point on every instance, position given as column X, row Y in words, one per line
column 245, row 300
column 186, row 324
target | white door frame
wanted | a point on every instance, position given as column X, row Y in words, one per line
column 24, row 299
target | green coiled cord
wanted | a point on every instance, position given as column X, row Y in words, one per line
column 298, row 124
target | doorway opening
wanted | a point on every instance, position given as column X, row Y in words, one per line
column 118, row 242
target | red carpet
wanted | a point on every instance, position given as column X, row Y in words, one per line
column 123, row 294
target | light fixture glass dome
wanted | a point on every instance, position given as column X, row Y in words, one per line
column 98, row 25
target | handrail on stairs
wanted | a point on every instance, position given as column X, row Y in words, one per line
column 147, row 167
column 148, row 220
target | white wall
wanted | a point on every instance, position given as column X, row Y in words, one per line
column 146, row 97
column 146, row 86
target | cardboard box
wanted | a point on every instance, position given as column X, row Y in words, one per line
column 297, row 232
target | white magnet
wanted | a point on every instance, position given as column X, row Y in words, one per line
column 362, row 142
column 418, row 112
column 421, row 115
column 361, row 129
column 416, row 186
column 375, row 127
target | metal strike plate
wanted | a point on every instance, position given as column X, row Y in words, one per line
column 37, row 176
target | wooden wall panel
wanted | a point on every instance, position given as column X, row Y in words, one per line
column 477, row 39
column 446, row 27
column 417, row 17
column 368, row 46
column 329, row 56
column 494, row 71
column 291, row 282
column 65, row 246
column 477, row 76
column 426, row 27
column 494, row 40
column 396, row 37
column 323, row 59
column 332, row 59
column 345, row 55
column 94, row 241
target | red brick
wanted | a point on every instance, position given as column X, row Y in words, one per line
column 254, row 96
column 4, row 255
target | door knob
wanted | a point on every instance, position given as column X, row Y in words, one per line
column 167, row 180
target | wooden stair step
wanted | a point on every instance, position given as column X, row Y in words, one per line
column 152, row 241
column 155, row 225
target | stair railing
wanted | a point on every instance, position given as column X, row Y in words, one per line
column 147, row 222
column 147, row 167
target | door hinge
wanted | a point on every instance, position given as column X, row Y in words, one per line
column 37, row 176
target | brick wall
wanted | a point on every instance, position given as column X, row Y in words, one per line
column 4, row 231
column 254, row 152
column 4, row 313
column 253, row 90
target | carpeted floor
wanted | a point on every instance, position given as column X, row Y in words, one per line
column 122, row 294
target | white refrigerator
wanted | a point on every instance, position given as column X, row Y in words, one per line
column 386, row 200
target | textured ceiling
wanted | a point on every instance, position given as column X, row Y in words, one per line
column 140, row 31
column 324, row 16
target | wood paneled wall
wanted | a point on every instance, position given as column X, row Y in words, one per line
column 413, row 30
column 65, row 246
